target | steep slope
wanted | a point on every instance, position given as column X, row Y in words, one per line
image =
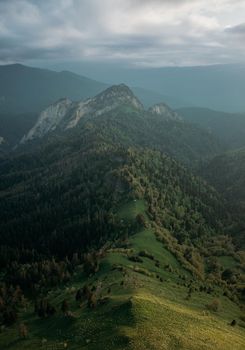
column 164, row 111
column 228, row 127
column 65, row 115
column 49, row 120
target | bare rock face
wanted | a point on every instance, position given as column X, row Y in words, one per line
column 65, row 114
column 48, row 120
column 164, row 111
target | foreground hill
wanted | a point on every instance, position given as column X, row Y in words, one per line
column 114, row 243
column 148, row 282
column 144, row 304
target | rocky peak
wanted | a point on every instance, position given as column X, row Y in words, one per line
column 120, row 94
column 65, row 114
column 165, row 111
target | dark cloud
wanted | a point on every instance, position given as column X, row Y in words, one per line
column 151, row 32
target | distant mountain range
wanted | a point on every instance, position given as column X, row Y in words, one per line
column 228, row 127
column 218, row 87
column 27, row 89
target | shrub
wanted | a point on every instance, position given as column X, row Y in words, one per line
column 143, row 271
column 135, row 258
column 157, row 264
column 145, row 254
column 141, row 221
column 214, row 305
column 228, row 275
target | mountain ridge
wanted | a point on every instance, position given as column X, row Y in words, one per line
column 118, row 106
column 69, row 113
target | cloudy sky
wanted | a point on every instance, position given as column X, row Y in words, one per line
column 132, row 32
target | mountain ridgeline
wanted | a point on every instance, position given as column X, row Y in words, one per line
column 100, row 208
column 26, row 91
column 119, row 114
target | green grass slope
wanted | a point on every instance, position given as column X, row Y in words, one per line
column 145, row 304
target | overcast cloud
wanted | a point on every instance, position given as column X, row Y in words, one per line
column 136, row 32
